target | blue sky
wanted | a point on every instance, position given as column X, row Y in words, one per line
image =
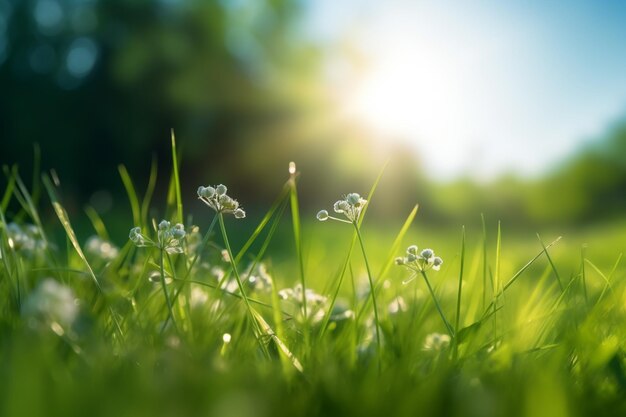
column 478, row 87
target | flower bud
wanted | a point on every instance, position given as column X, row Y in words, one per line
column 322, row 215
column 412, row 250
column 399, row 260
column 221, row 189
column 134, row 234
column 239, row 213
column 353, row 199
column 411, row 257
column 224, row 200
column 164, row 225
column 178, row 232
column 427, row 254
column 230, row 204
column 437, row 261
column 341, row 206
column 206, row 192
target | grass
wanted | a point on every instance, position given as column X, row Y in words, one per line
column 537, row 329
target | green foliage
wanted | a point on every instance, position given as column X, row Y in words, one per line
column 538, row 329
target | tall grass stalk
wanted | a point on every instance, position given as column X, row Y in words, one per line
column 484, row 263
column 65, row 222
column 584, row 275
column 457, row 318
column 297, row 236
column 176, row 180
column 554, row 270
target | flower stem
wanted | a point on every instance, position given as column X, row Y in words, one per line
column 257, row 331
column 167, row 296
column 191, row 265
column 372, row 291
column 443, row 317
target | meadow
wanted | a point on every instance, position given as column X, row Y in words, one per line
column 329, row 316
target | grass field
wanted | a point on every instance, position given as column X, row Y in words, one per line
column 179, row 322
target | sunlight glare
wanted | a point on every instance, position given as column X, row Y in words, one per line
column 415, row 93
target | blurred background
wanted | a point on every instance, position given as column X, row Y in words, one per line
column 513, row 109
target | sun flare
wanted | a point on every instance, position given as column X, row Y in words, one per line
column 414, row 93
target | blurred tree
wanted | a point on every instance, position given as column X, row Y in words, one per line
column 589, row 187
column 102, row 82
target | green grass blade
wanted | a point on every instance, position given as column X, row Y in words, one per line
column 607, row 283
column 609, row 276
column 496, row 277
column 264, row 245
column 395, row 246
column 584, row 274
column 266, row 329
column 372, row 191
column 145, row 204
column 278, row 202
column 517, row 275
column 132, row 195
column 485, row 266
column 29, row 205
column 97, row 223
column 333, row 299
column 176, row 180
column 8, row 192
column 297, row 236
column 280, row 331
column 67, row 226
column 4, row 243
column 457, row 318
column 264, row 221
column 36, row 187
column 556, row 272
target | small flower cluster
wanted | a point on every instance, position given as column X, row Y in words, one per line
column 218, row 200
column 295, row 294
column 255, row 279
column 25, row 239
column 350, row 207
column 423, row 261
column 52, row 305
column 169, row 238
column 436, row 342
column 397, row 305
column 101, row 249
column 259, row 279
column 314, row 302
